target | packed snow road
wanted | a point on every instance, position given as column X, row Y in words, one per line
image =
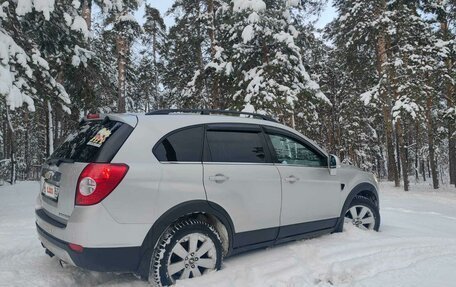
column 416, row 246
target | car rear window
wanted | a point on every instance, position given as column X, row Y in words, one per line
column 86, row 144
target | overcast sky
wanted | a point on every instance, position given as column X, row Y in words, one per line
column 163, row 5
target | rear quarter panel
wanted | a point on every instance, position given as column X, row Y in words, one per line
column 150, row 188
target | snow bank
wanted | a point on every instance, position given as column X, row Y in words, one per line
column 416, row 246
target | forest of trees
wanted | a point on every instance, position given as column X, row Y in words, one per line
column 376, row 86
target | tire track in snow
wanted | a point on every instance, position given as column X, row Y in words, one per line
column 433, row 213
column 357, row 261
column 355, row 269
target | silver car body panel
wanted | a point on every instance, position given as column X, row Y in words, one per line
column 63, row 208
column 314, row 195
column 252, row 195
column 93, row 226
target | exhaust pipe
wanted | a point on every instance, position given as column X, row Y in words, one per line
column 48, row 252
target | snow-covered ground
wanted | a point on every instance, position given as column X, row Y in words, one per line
column 416, row 247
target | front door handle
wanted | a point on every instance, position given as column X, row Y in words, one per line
column 291, row 179
column 218, row 178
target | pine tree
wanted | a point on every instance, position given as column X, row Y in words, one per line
column 361, row 32
column 151, row 65
column 125, row 29
column 351, row 130
column 445, row 51
column 36, row 42
column 403, row 49
column 261, row 58
column 185, row 56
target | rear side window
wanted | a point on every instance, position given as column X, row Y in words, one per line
column 184, row 145
column 91, row 140
column 236, row 146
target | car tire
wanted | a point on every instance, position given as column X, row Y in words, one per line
column 363, row 213
column 187, row 249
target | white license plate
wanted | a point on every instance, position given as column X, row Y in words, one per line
column 50, row 191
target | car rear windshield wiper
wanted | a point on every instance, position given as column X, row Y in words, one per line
column 58, row 161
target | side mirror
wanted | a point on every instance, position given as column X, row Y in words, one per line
column 334, row 163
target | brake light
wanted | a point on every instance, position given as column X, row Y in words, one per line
column 76, row 247
column 97, row 181
column 93, row 116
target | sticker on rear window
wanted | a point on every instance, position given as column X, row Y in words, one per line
column 100, row 137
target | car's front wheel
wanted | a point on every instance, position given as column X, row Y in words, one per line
column 362, row 213
column 187, row 249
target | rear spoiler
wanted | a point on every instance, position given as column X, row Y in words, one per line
column 129, row 119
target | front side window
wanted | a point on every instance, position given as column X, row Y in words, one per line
column 290, row 151
column 236, row 146
column 185, row 145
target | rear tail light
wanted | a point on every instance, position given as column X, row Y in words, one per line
column 76, row 247
column 93, row 116
column 97, row 181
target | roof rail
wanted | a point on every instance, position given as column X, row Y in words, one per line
column 209, row 112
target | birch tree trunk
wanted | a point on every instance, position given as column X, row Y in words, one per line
column 215, row 90
column 122, row 50
column 27, row 145
column 154, row 51
column 430, row 133
column 452, row 151
column 450, row 99
column 87, row 13
column 417, row 150
column 12, row 147
column 403, row 153
column 199, row 54
column 50, row 129
column 386, row 109
column 5, row 134
column 382, row 59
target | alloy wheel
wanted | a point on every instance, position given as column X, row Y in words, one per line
column 361, row 216
column 192, row 256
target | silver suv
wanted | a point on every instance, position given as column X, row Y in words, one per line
column 169, row 194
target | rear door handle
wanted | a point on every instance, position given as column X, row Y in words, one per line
column 218, row 178
column 291, row 179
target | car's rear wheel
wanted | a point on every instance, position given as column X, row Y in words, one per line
column 190, row 248
column 362, row 213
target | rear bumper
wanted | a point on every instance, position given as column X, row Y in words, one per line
column 121, row 259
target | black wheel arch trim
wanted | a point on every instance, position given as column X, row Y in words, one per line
column 171, row 216
column 362, row 187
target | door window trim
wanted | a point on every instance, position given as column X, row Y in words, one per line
column 281, row 132
column 236, row 127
